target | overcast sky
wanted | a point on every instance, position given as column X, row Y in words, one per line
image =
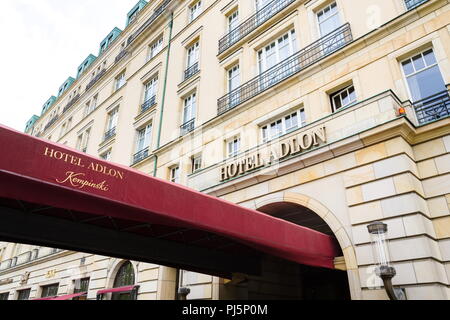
column 42, row 43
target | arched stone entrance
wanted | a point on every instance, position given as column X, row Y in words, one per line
column 306, row 211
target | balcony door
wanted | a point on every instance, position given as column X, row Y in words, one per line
column 426, row 86
column 272, row 55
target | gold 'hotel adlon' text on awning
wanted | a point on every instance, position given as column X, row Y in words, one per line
column 294, row 145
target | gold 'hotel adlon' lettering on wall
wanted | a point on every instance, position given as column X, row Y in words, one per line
column 293, row 146
column 77, row 179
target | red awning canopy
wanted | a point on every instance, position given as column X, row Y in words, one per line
column 117, row 290
column 70, row 296
column 43, row 184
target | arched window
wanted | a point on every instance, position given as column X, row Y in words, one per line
column 125, row 277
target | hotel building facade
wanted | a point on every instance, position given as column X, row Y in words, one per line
column 329, row 114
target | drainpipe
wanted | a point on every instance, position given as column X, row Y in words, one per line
column 161, row 116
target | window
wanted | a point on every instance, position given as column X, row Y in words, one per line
column 193, row 54
column 50, row 291
column 63, row 130
column 234, row 79
column 175, row 174
column 329, row 19
column 233, row 21
column 125, row 277
column 189, row 112
column 151, row 88
column 195, row 10
column 144, row 136
column 69, row 124
column 83, row 140
column 120, row 81
column 284, row 125
column 113, row 118
column 234, row 147
column 90, row 106
column 261, row 4
column 107, row 155
column 196, row 163
column 411, row 4
column 80, row 286
column 155, row 48
column 4, row 296
column 277, row 51
column 423, row 75
column 343, row 98
column 133, row 16
column 24, row 294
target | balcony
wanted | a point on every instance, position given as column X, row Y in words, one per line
column 249, row 25
column 411, row 4
column 121, row 55
column 301, row 60
column 148, row 104
column 110, row 134
column 191, row 71
column 51, row 122
column 95, row 79
column 188, row 127
column 141, row 155
column 71, row 103
column 156, row 14
column 433, row 108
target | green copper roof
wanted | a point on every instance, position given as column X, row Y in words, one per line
column 138, row 7
column 30, row 123
column 86, row 63
column 66, row 85
column 109, row 39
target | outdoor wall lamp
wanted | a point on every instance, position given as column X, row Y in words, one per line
column 385, row 271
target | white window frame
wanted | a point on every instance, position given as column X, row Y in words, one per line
column 120, row 80
column 190, row 108
column 113, row 119
column 233, row 20
column 197, row 163
column 339, row 93
column 175, row 174
column 322, row 11
column 195, row 10
column 155, row 47
column 144, row 137
column 193, row 54
column 106, row 155
column 234, row 73
column 427, row 67
column 233, row 147
column 150, row 86
column 267, row 128
column 262, row 53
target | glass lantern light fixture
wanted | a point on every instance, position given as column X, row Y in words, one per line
column 378, row 232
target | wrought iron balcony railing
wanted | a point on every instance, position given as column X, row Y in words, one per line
column 148, row 104
column 95, row 79
column 287, row 68
column 141, row 155
column 110, row 134
column 252, row 23
column 72, row 102
column 433, row 108
column 191, row 71
column 51, row 122
column 121, row 55
column 156, row 14
column 411, row 4
column 188, row 127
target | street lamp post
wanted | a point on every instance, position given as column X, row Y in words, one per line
column 385, row 271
